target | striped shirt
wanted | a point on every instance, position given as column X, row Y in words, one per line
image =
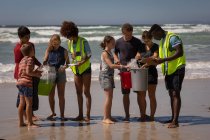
column 23, row 78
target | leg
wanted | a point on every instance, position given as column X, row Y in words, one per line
column 61, row 97
column 126, row 103
column 79, row 89
column 35, row 105
column 141, row 99
column 175, row 96
column 107, row 106
column 153, row 103
column 87, row 82
column 29, row 112
column 21, row 111
column 52, row 103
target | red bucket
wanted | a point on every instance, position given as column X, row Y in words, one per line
column 125, row 80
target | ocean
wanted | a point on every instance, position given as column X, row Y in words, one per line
column 196, row 39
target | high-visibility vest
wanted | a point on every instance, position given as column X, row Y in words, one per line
column 79, row 54
column 169, row 67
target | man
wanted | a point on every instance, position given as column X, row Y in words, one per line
column 172, row 60
column 126, row 49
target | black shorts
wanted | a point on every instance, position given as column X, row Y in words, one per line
column 174, row 81
column 35, row 105
column 87, row 71
column 152, row 76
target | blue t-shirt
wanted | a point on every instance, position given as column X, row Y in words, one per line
column 87, row 49
column 174, row 41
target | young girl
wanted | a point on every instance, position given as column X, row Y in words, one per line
column 57, row 56
column 106, row 76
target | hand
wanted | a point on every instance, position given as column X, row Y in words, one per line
column 62, row 68
column 159, row 60
column 38, row 74
column 144, row 66
column 117, row 63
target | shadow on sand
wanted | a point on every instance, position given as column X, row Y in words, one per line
column 187, row 120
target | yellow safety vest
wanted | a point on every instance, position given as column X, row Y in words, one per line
column 79, row 56
column 169, row 67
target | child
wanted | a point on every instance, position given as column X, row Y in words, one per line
column 24, row 36
column 57, row 56
column 106, row 76
column 25, row 84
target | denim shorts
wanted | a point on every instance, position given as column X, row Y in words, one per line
column 60, row 77
column 106, row 81
column 25, row 91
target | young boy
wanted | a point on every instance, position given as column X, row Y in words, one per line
column 24, row 36
column 25, row 84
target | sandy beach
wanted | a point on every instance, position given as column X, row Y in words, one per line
column 194, row 117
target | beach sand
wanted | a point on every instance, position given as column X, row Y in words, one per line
column 194, row 117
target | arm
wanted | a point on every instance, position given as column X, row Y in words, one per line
column 36, row 61
column 46, row 57
column 116, row 58
column 30, row 69
column 177, row 54
column 110, row 64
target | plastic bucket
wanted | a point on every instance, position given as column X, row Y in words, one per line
column 125, row 80
column 45, row 87
column 139, row 78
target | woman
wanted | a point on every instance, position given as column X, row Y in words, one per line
column 80, row 54
column 57, row 56
column 150, row 50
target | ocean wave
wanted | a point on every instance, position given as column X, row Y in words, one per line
column 94, row 27
column 47, row 32
column 194, row 70
column 94, row 33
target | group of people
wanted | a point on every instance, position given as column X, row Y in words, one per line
column 170, row 54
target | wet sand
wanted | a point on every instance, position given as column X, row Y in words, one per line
column 194, row 117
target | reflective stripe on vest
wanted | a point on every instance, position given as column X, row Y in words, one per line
column 169, row 67
column 79, row 54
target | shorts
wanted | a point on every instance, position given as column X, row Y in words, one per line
column 152, row 76
column 174, row 81
column 87, row 71
column 25, row 91
column 35, row 105
column 106, row 81
column 60, row 77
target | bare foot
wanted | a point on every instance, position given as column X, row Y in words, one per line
column 108, row 121
column 51, row 116
column 64, row 119
column 35, row 118
column 113, row 119
column 22, row 125
column 78, row 118
column 151, row 118
column 33, row 126
column 87, row 119
column 127, row 120
column 173, row 125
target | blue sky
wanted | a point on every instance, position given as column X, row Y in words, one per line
column 103, row 12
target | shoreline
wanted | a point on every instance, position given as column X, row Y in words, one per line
column 194, row 117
